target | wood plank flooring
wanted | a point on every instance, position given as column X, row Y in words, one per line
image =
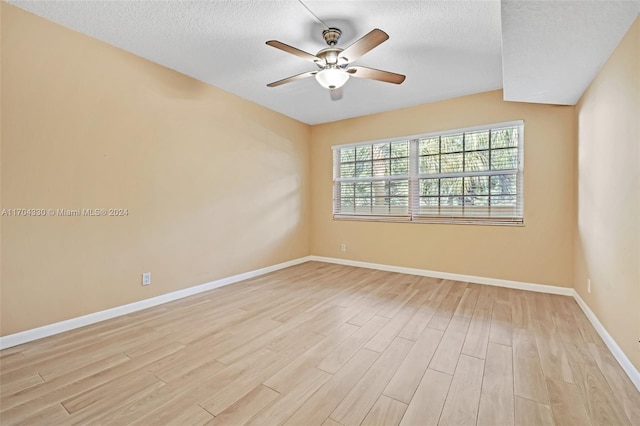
column 323, row 344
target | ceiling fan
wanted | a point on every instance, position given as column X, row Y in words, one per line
column 333, row 62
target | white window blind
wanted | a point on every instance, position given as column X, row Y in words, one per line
column 462, row 176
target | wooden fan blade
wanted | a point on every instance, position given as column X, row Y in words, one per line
column 374, row 74
column 297, row 52
column 374, row 38
column 292, row 78
column 336, row 94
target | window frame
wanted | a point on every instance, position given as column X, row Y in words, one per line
column 387, row 178
column 413, row 213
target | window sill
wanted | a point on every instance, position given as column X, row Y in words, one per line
column 440, row 221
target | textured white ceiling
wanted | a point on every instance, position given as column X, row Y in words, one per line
column 552, row 50
column 446, row 48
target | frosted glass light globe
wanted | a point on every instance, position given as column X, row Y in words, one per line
column 332, row 78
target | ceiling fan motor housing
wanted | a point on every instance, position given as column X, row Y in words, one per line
column 329, row 56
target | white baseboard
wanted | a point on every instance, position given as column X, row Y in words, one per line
column 620, row 356
column 540, row 288
column 73, row 323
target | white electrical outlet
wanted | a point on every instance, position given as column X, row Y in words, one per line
column 588, row 285
column 146, row 278
column 343, row 247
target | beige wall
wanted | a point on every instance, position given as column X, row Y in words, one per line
column 540, row 252
column 215, row 185
column 607, row 245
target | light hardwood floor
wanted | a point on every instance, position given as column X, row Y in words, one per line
column 322, row 344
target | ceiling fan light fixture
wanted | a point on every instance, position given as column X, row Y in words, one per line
column 332, row 78
column 333, row 62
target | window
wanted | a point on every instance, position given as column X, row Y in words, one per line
column 463, row 176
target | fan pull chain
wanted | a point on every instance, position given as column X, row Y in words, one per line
column 318, row 20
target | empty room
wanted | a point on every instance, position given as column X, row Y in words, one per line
column 306, row 212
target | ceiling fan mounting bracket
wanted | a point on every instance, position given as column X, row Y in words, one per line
column 331, row 36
